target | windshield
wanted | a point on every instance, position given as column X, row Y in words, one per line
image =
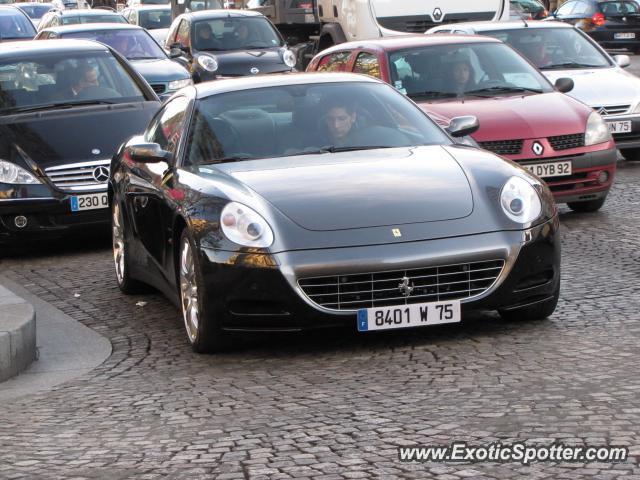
column 154, row 2
column 306, row 119
column 62, row 78
column 448, row 71
column 14, row 24
column 549, row 48
column 35, row 11
column 75, row 19
column 154, row 19
column 619, row 8
column 233, row 33
column 133, row 44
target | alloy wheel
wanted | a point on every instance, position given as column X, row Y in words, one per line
column 189, row 290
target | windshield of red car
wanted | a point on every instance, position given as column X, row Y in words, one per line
column 549, row 48
column 306, row 119
column 460, row 70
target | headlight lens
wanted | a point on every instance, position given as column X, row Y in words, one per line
column 178, row 84
column 12, row 173
column 520, row 201
column 244, row 226
column 207, row 62
column 597, row 130
column 289, row 58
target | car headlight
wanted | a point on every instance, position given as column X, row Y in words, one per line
column 520, row 201
column 244, row 226
column 207, row 62
column 12, row 173
column 178, row 84
column 289, row 58
column 637, row 109
column 597, row 130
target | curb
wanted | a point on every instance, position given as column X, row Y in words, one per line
column 17, row 334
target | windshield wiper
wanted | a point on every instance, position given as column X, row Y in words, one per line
column 231, row 158
column 501, row 89
column 560, row 66
column 143, row 58
column 432, row 94
column 53, row 106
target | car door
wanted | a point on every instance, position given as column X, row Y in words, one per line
column 150, row 195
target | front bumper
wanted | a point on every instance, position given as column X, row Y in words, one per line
column 259, row 292
column 48, row 212
column 583, row 184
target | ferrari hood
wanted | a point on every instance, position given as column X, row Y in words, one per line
column 369, row 188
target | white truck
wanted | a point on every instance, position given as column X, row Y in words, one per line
column 310, row 26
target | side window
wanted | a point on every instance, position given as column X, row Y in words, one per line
column 183, row 34
column 336, row 62
column 55, row 21
column 566, row 8
column 368, row 64
column 582, row 8
column 168, row 125
column 133, row 17
column 171, row 36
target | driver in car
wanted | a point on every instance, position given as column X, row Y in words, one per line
column 205, row 38
column 340, row 120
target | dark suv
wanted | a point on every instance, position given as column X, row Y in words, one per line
column 613, row 24
column 65, row 108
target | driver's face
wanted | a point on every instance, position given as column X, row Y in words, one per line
column 461, row 73
column 339, row 122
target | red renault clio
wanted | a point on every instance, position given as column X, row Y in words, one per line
column 522, row 116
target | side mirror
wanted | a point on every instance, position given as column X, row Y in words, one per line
column 461, row 126
column 147, row 153
column 175, row 52
column 623, row 61
column 564, row 85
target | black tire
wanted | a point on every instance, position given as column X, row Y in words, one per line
column 631, row 155
column 121, row 253
column 205, row 335
column 538, row 311
column 588, row 206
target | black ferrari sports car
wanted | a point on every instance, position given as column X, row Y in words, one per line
column 290, row 202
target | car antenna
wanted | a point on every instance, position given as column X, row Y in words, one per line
column 524, row 20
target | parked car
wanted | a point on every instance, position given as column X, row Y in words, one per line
column 310, row 201
column 528, row 9
column 57, row 18
column 156, row 19
column 136, row 45
column 70, row 4
column 65, row 108
column 559, row 50
column 227, row 43
column 15, row 24
column 453, row 75
column 35, row 10
column 613, row 24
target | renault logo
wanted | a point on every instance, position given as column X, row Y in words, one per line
column 254, row 71
column 537, row 148
column 437, row 14
column 405, row 287
column 101, row 174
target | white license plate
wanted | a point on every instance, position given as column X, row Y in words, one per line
column 624, row 36
column 553, row 169
column 406, row 316
column 620, row 127
column 89, row 202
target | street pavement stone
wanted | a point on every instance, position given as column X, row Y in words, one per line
column 336, row 405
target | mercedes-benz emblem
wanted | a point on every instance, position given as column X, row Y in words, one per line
column 405, row 287
column 254, row 70
column 96, row 151
column 101, row 174
column 537, row 148
column 437, row 14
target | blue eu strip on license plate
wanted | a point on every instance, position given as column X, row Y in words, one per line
column 74, row 204
column 363, row 321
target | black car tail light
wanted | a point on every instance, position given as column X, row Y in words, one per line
column 598, row 19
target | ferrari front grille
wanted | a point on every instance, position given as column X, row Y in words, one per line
column 377, row 289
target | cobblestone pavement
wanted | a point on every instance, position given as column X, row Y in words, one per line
column 337, row 405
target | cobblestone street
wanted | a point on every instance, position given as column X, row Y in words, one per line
column 337, row 404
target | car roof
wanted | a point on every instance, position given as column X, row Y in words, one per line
column 207, row 89
column 86, row 12
column 208, row 14
column 12, row 7
column 92, row 27
column 19, row 49
column 508, row 25
column 402, row 42
column 149, row 7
